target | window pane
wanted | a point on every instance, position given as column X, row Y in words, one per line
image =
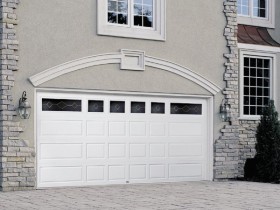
column 253, row 72
column 252, row 110
column 117, row 11
column 252, row 81
column 259, row 110
column 95, row 106
column 246, row 61
column 138, row 21
column 246, row 110
column 148, row 21
column 112, row 6
column 137, row 9
column 246, row 81
column 117, row 106
column 253, row 101
column 246, row 72
column 259, row 101
column 252, row 62
column 143, row 13
column 122, row 18
column 157, row 108
column 63, row 105
column 180, row 108
column 148, row 2
column 137, row 107
column 246, row 101
column 122, row 7
column 112, row 17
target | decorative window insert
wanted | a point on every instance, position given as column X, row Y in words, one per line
column 143, row 19
column 137, row 107
column 256, row 83
column 157, row 108
column 182, row 108
column 62, row 105
column 117, row 107
column 256, row 12
column 95, row 106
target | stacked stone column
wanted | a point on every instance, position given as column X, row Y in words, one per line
column 226, row 148
column 16, row 157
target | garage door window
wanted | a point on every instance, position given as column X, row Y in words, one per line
column 62, row 105
column 157, row 108
column 117, row 107
column 180, row 108
column 137, row 107
column 95, row 106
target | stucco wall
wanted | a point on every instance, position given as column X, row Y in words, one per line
column 275, row 33
column 57, row 31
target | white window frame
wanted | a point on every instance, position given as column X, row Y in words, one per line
column 268, row 22
column 257, row 54
column 157, row 32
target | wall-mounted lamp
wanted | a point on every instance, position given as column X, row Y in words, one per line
column 24, row 107
column 225, row 112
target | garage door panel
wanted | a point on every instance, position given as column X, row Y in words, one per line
column 157, row 150
column 185, row 170
column 137, row 172
column 95, row 128
column 117, row 128
column 157, row 129
column 96, row 173
column 185, row 129
column 61, row 151
column 157, row 171
column 96, row 150
column 60, row 174
column 137, row 129
column 53, row 127
column 137, row 150
column 117, row 150
column 116, row 172
column 184, row 150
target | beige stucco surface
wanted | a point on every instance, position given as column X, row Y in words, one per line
column 110, row 77
column 276, row 31
column 57, row 31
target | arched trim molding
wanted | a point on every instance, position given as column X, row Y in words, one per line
column 116, row 58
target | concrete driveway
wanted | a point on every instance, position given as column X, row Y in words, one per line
column 186, row 195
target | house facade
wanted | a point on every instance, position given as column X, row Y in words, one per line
column 130, row 91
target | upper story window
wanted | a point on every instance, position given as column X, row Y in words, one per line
column 144, row 19
column 256, row 12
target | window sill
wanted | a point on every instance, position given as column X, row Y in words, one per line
column 250, row 118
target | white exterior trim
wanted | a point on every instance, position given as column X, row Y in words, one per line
column 255, row 47
column 273, row 76
column 268, row 22
column 158, row 32
column 115, row 58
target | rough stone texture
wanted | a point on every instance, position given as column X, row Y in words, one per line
column 164, row 196
column 16, row 158
column 247, row 142
column 226, row 148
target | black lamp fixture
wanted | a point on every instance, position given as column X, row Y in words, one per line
column 24, row 107
column 225, row 112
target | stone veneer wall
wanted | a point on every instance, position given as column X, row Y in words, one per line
column 247, row 142
column 238, row 138
column 226, row 148
column 17, row 170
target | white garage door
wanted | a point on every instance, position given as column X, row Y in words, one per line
column 91, row 139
